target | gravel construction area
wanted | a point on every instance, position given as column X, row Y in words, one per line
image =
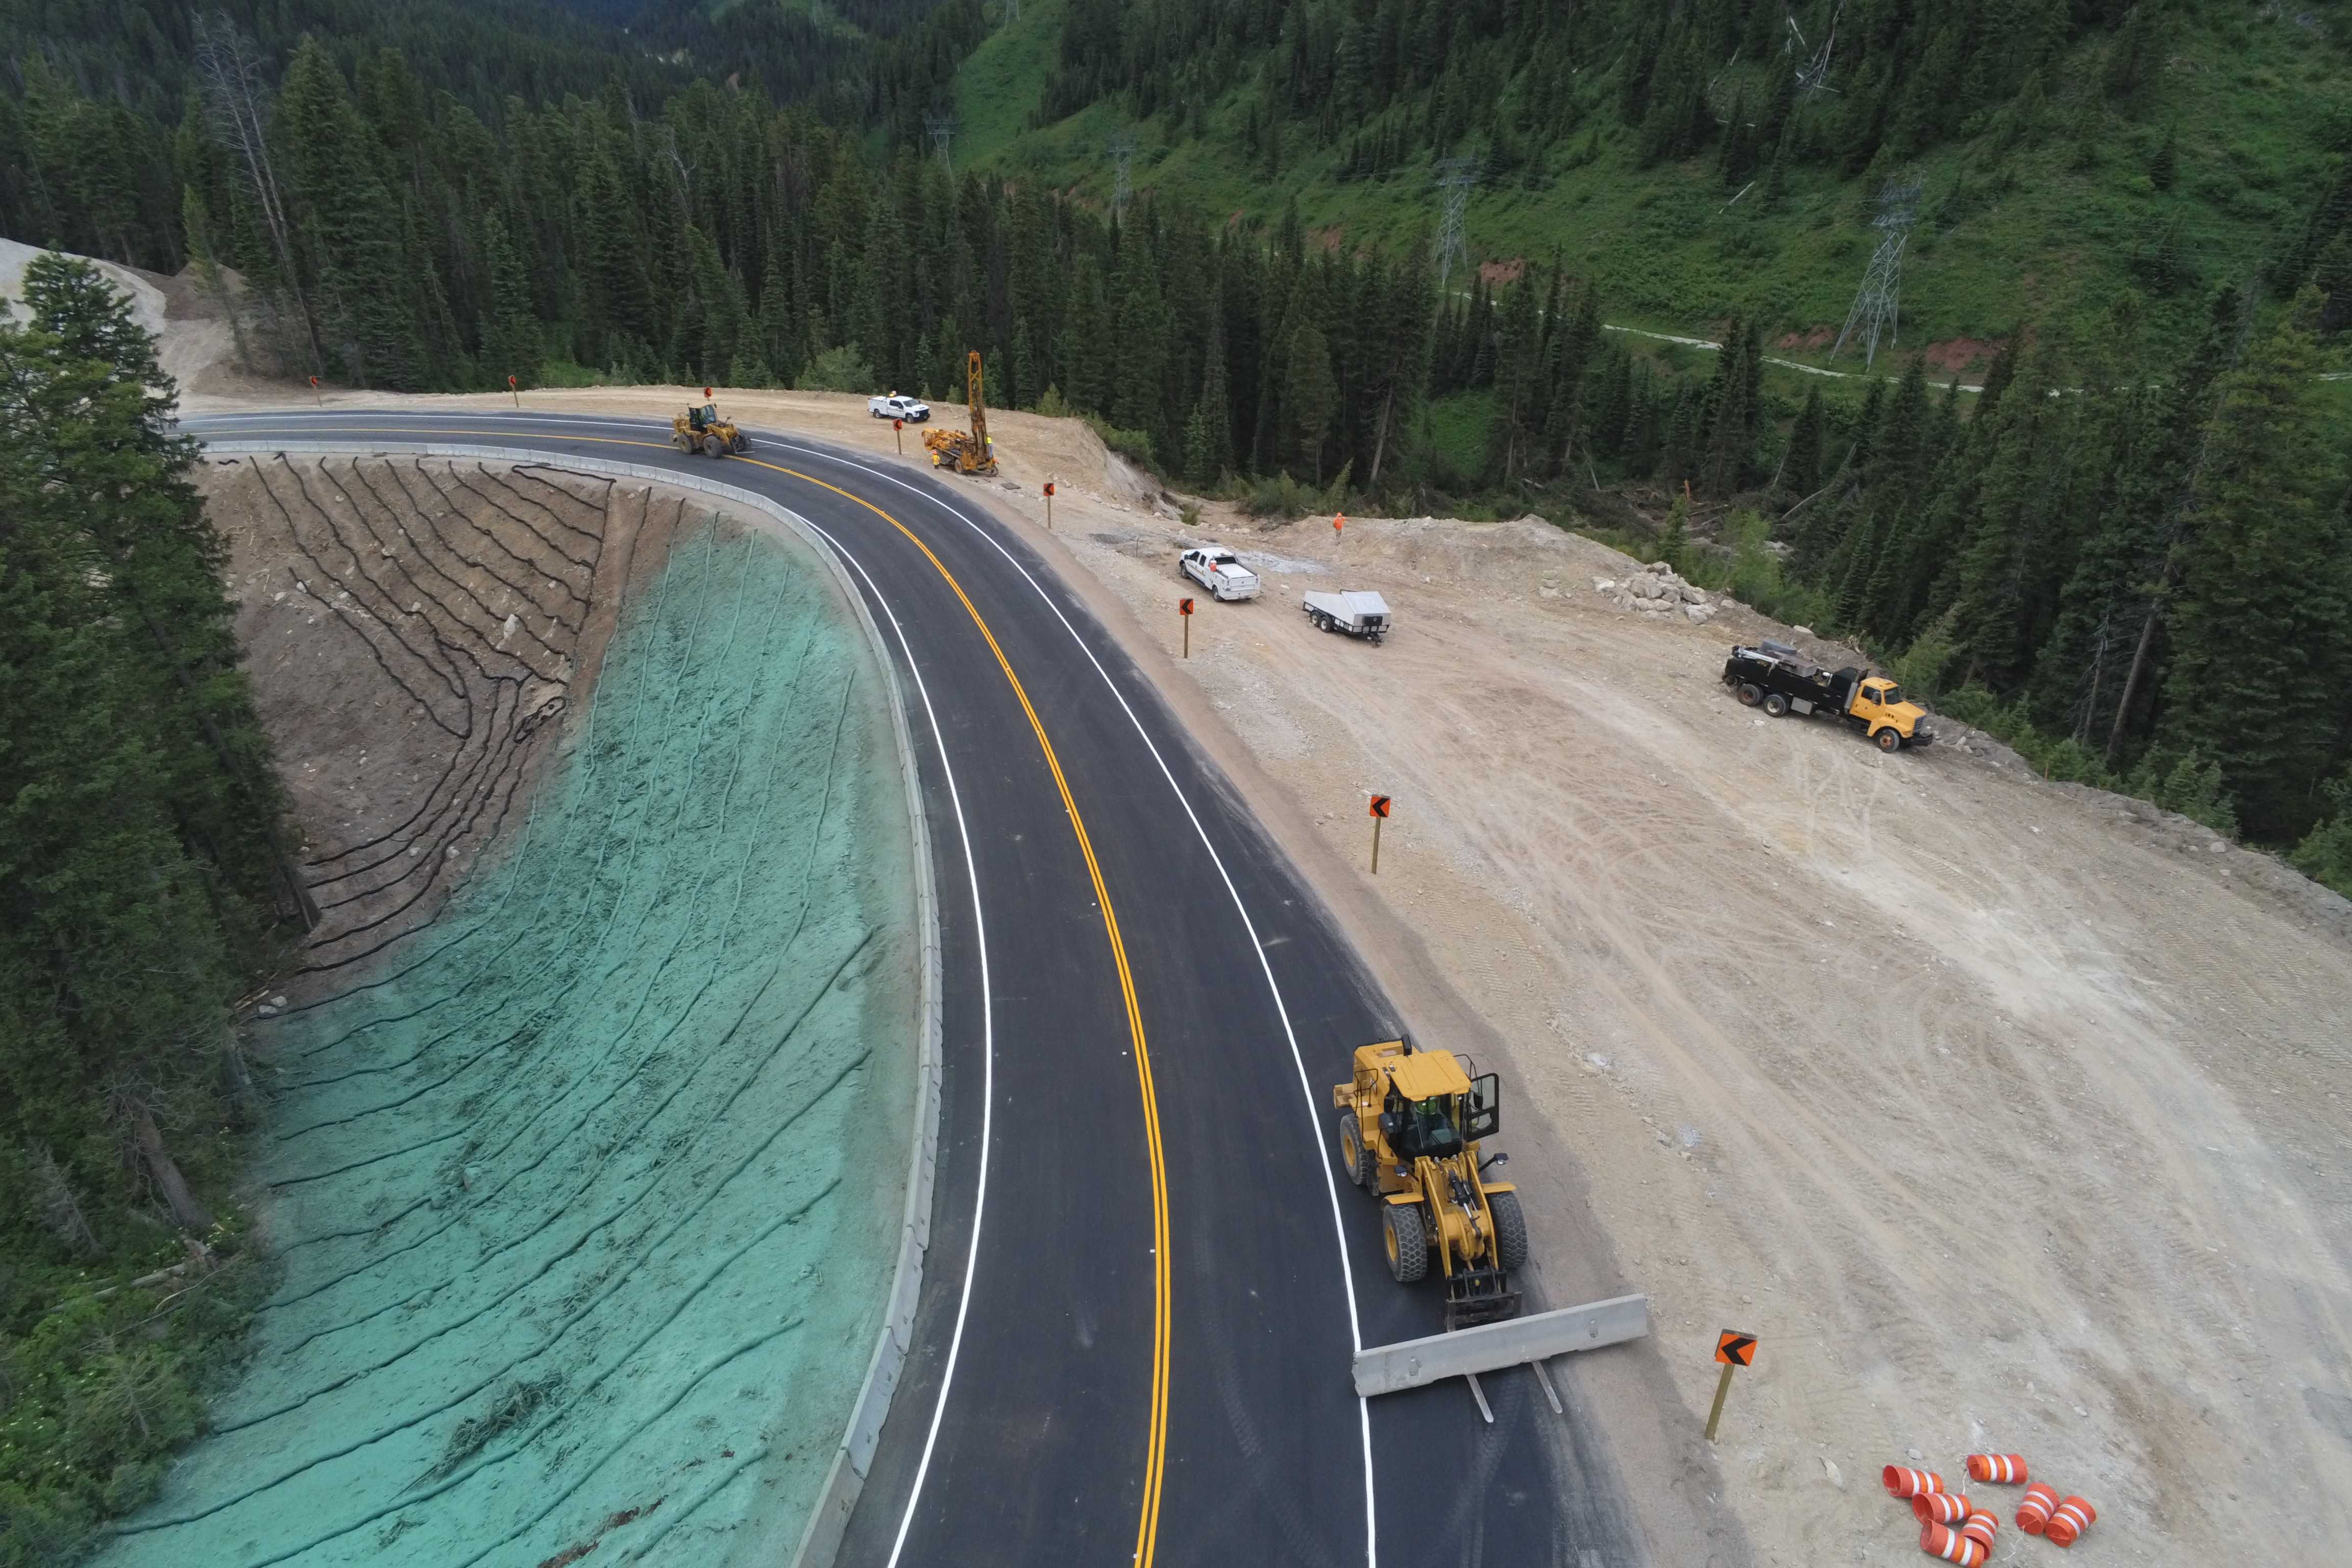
column 585, row 1184
column 2010, row 1117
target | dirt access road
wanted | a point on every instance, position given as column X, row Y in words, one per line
column 2006, row 1121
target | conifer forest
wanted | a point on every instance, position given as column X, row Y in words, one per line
column 2125, row 542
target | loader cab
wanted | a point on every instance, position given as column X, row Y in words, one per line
column 1441, row 1125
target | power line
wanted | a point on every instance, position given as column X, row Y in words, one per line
column 942, row 128
column 1877, row 308
column 1455, row 178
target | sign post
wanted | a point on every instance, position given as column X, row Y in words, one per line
column 514, row 392
column 898, row 432
column 1734, row 1350
column 1380, row 814
column 1185, row 609
column 316, row 393
column 1049, row 512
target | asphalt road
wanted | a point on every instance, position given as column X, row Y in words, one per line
column 1145, row 1281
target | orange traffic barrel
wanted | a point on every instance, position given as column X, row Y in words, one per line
column 1982, row 1528
column 1941, row 1507
column 1901, row 1483
column 1947, row 1545
column 2007, row 1469
column 2035, row 1509
column 2069, row 1519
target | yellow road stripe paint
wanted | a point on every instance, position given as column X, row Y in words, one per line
column 1147, row 1533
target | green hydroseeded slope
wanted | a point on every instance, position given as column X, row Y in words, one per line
column 588, row 1204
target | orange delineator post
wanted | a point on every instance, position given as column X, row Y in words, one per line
column 2004, row 1470
column 2035, row 1509
column 1948, row 1545
column 1942, row 1508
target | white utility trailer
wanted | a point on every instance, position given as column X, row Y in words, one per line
column 1357, row 612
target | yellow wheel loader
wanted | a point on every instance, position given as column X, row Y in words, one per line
column 966, row 453
column 1410, row 1126
column 701, row 430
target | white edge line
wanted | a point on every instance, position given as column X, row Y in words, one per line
column 829, row 1518
column 1314, row 1110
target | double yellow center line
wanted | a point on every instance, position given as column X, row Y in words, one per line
column 1147, row 1531
column 1156, row 1452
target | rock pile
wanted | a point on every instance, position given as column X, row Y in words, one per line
column 1656, row 591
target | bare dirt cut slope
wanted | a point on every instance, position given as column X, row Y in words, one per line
column 2010, row 1122
column 415, row 632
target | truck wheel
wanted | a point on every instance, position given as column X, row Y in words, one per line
column 1775, row 704
column 1889, row 739
column 1750, row 694
column 1510, row 1231
column 1407, row 1243
column 1354, row 1157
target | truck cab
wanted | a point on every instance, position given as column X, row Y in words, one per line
column 1878, row 710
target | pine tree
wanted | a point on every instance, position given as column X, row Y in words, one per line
column 2262, row 625
column 1801, row 471
column 1310, row 397
column 510, row 332
column 349, row 222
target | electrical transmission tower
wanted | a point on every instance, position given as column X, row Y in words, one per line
column 1814, row 75
column 942, row 128
column 1121, row 149
column 1877, row 308
column 1455, row 178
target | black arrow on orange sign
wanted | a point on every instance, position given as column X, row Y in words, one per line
column 1734, row 1347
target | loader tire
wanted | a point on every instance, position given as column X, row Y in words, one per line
column 682, row 442
column 1407, row 1243
column 1510, row 1231
column 1889, row 739
column 712, row 446
column 1354, row 1158
column 1750, row 694
column 1775, row 704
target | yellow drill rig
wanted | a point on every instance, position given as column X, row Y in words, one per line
column 1409, row 1125
column 966, row 454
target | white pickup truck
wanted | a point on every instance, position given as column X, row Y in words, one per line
column 1220, row 571
column 1357, row 612
column 913, row 410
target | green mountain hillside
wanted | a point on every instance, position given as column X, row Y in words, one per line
column 1671, row 155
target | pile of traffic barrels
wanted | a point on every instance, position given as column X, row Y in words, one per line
column 1953, row 1528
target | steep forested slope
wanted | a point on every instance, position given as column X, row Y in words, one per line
column 1710, row 157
